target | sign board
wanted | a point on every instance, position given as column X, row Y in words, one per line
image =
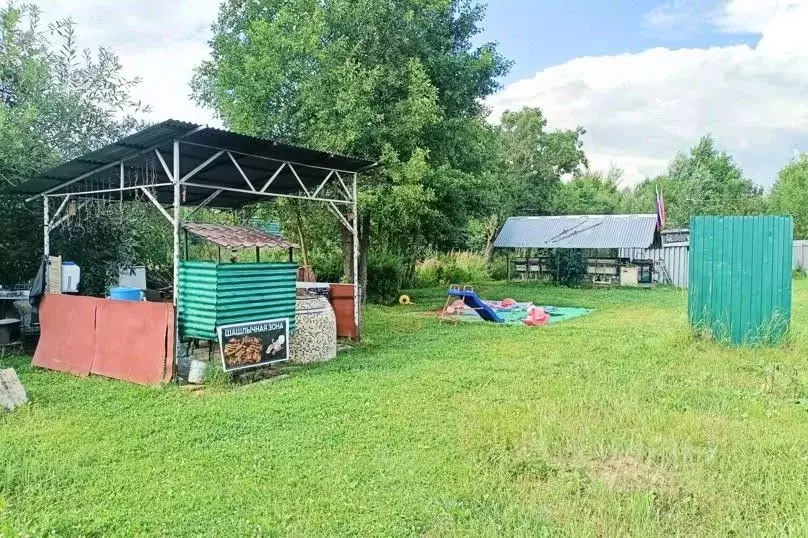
column 253, row 344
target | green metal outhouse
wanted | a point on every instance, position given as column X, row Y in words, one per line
column 740, row 278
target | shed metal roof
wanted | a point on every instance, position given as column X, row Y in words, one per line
column 578, row 231
column 237, row 236
column 257, row 157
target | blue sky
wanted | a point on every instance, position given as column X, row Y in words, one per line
column 542, row 33
column 646, row 78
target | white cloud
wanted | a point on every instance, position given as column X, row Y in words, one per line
column 668, row 14
column 679, row 18
column 640, row 109
column 752, row 15
column 161, row 41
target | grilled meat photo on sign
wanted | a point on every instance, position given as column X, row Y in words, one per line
column 240, row 351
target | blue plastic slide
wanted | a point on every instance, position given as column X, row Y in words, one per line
column 472, row 300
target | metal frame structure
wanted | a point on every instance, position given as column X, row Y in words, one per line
column 253, row 190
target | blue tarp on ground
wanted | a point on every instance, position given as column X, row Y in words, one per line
column 515, row 315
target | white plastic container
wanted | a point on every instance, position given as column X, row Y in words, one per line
column 71, row 274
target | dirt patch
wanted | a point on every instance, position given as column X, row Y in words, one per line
column 627, row 473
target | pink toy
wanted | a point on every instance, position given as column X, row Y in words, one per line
column 536, row 316
column 507, row 303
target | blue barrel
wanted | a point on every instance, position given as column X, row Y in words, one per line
column 125, row 294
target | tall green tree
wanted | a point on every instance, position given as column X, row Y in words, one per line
column 531, row 163
column 789, row 195
column 705, row 181
column 401, row 81
column 590, row 193
column 56, row 102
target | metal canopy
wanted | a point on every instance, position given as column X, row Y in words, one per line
column 237, row 236
column 175, row 164
column 578, row 231
column 242, row 165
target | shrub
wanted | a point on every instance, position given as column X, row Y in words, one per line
column 451, row 268
column 427, row 273
column 385, row 273
column 568, row 266
column 327, row 266
column 498, row 268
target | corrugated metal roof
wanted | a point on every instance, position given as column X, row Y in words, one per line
column 237, row 236
column 578, row 231
column 258, row 158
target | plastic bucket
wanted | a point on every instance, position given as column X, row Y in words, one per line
column 126, row 294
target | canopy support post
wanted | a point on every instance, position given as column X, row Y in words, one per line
column 58, row 211
column 153, row 200
column 356, row 279
column 176, row 225
column 46, row 239
column 65, row 218
column 204, row 202
column 122, row 181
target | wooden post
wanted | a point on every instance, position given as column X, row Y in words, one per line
column 508, row 265
column 558, row 268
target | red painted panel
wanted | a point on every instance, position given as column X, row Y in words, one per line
column 67, row 339
column 130, row 341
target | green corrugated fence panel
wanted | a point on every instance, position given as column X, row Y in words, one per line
column 740, row 278
column 214, row 294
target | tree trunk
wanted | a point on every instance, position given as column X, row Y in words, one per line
column 489, row 250
column 364, row 250
column 409, row 278
column 347, row 249
column 347, row 254
column 491, row 229
column 304, row 254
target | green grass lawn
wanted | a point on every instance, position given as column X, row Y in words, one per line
column 619, row 423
